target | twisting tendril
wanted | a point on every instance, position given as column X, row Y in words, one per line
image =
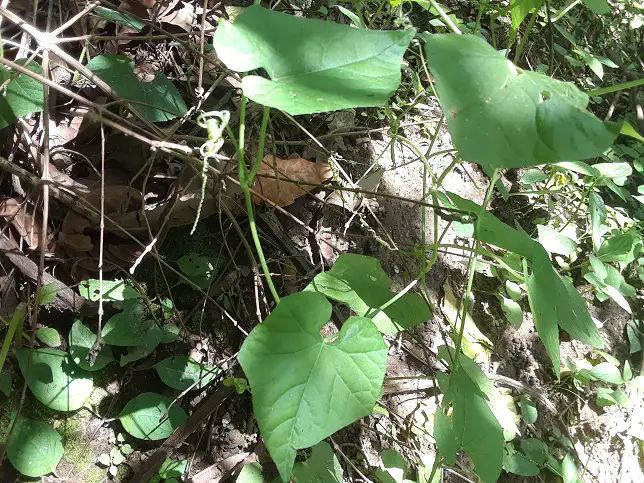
column 215, row 123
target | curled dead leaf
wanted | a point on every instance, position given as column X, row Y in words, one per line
column 25, row 223
column 282, row 181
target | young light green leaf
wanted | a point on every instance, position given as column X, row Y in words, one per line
column 569, row 471
column 305, row 388
column 533, row 176
column 314, row 66
column 120, row 18
column 127, row 449
column 597, row 210
column 618, row 248
column 512, row 311
column 48, row 293
column 395, row 467
column 627, row 374
column 116, row 456
column 251, row 473
column 173, row 469
column 510, row 117
column 53, row 379
column 528, row 410
column 322, row 467
column 113, row 290
column 48, row 336
column 142, row 416
column 360, row 282
column 519, row 10
column 5, row 383
column 599, row 269
column 513, row 290
column 617, row 297
column 81, row 340
column 23, row 95
column 156, row 101
column 35, row 448
column 181, row 372
column 555, row 242
column 605, row 372
column 610, row 397
column 105, row 459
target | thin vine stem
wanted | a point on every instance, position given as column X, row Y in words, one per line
column 245, row 182
column 470, row 275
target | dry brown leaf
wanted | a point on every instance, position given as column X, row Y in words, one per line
column 27, row 225
column 277, row 179
column 184, row 17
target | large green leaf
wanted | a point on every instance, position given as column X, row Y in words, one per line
column 597, row 210
column 143, row 416
column 322, row 467
column 127, row 328
column 475, row 427
column 54, row 379
column 35, row 448
column 81, row 340
column 519, row 10
column 23, row 95
column 573, row 316
column 554, row 302
column 445, row 437
column 542, row 296
column 360, row 283
column 502, row 116
column 181, row 372
column 314, row 66
column 157, row 101
column 305, row 388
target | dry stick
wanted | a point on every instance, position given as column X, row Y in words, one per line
column 46, row 40
column 73, row 95
column 44, row 165
column 152, row 464
column 88, row 211
column 133, row 38
column 183, row 152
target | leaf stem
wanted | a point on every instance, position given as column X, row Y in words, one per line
column 445, row 17
column 470, row 274
column 618, row 87
column 245, row 181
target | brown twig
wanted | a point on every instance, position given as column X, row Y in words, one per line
column 152, row 465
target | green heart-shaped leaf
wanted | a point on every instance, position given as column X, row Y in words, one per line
column 55, row 381
column 81, row 340
column 361, row 283
column 157, row 101
column 504, row 117
column 23, row 95
column 306, row 388
column 181, row 372
column 314, row 66
column 35, row 448
column 143, row 416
